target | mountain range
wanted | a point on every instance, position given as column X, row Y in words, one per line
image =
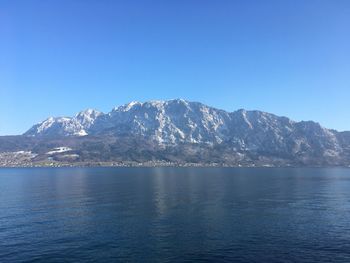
column 177, row 132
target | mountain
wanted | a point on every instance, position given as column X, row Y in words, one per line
column 179, row 131
column 66, row 126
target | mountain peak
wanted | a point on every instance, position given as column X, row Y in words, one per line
column 127, row 106
column 88, row 114
column 153, row 103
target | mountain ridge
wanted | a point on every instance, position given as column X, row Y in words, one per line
column 183, row 131
column 127, row 106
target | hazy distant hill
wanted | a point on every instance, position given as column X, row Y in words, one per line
column 179, row 131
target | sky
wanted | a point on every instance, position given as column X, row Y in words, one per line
column 290, row 58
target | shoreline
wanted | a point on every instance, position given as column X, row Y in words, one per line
column 160, row 165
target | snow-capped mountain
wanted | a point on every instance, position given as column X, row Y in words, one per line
column 66, row 126
column 237, row 135
column 166, row 122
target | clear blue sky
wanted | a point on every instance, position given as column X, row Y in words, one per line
column 287, row 57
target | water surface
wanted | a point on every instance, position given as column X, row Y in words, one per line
column 174, row 215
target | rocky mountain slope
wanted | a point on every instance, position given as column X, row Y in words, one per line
column 180, row 131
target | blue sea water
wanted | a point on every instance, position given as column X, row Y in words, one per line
column 174, row 215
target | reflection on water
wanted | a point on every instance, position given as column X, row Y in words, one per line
column 174, row 214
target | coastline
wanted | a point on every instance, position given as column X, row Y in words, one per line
column 159, row 165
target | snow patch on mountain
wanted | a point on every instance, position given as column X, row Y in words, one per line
column 59, row 150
